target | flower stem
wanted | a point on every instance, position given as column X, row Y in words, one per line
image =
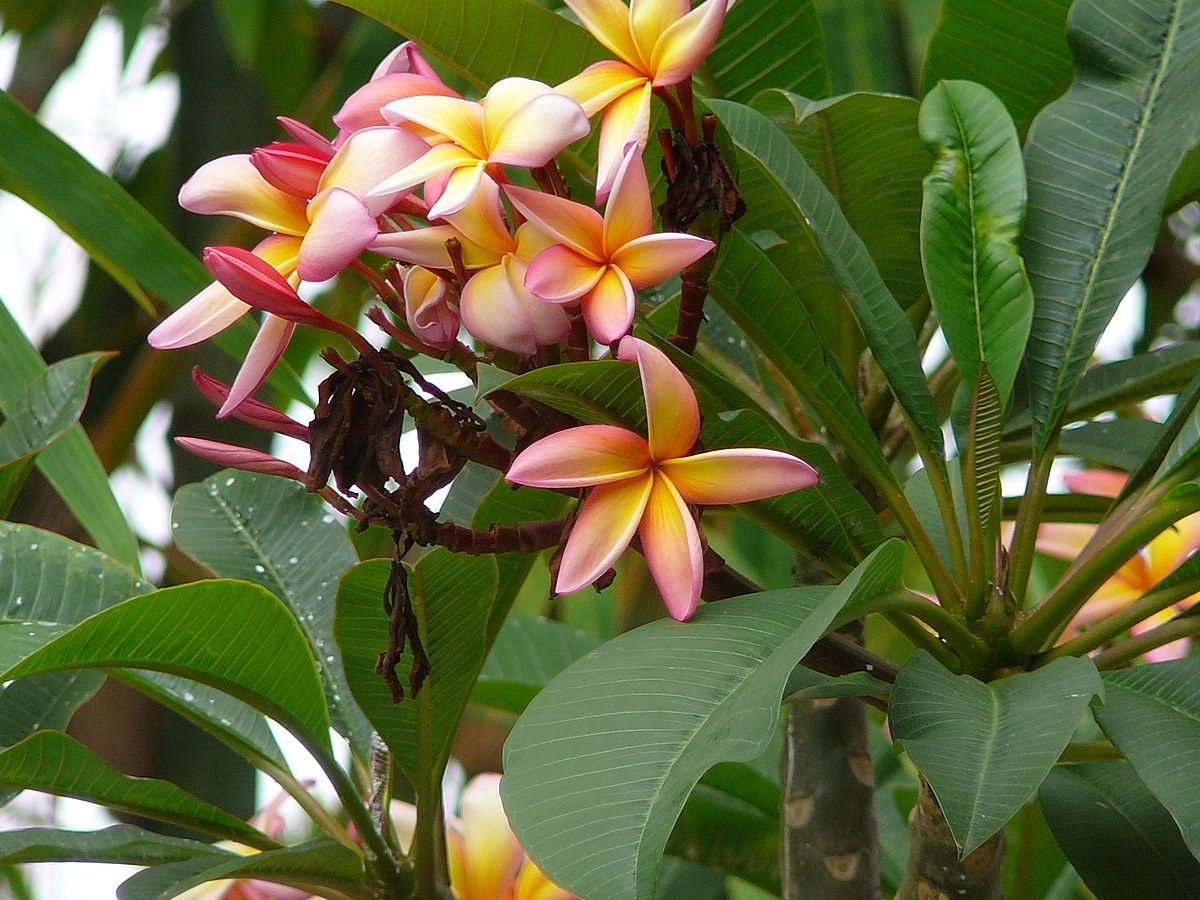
column 1127, row 651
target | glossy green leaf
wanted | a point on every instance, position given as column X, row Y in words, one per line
column 1099, row 161
column 452, row 598
column 1015, row 48
column 769, row 44
column 622, row 736
column 70, row 464
column 118, row 844
column 802, row 196
column 1126, row 381
column 1186, row 445
column 806, row 684
column 310, row 866
column 1152, row 714
column 51, row 761
column 867, row 150
column 985, row 748
column 486, row 40
column 862, row 41
column 970, row 224
column 729, row 837
column 47, row 407
column 1185, row 186
column 529, row 651
column 230, row 635
column 1121, row 443
column 270, row 531
column 1116, row 834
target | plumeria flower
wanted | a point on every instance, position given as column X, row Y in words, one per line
column 519, row 122
column 1142, row 573
column 601, row 261
column 427, row 307
column 403, row 73
column 486, row 860
column 495, row 304
column 645, row 486
column 659, row 43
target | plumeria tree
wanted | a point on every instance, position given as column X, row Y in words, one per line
column 781, row 313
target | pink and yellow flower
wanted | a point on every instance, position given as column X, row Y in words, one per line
column 659, row 43
column 486, row 860
column 1140, row 574
column 519, row 122
column 645, row 486
column 602, row 261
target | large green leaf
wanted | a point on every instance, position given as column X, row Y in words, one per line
column 985, row 748
column 769, row 44
column 1152, row 714
column 452, row 597
column 867, row 150
column 863, row 45
column 118, row 844
column 311, row 866
column 47, row 407
column 606, row 754
column 231, row 635
column 53, row 762
column 486, row 40
column 803, row 198
column 269, row 531
column 1116, row 834
column 1099, row 161
column 970, row 224
column 1015, row 48
column 70, row 464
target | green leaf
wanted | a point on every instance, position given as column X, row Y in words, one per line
column 1121, row 383
column 269, row 531
column 118, row 844
column 49, row 405
column 1116, row 834
column 53, row 762
column 486, row 40
column 802, row 196
column 622, row 736
column 867, row 150
column 1017, row 49
column 1121, row 443
column 452, row 596
column 863, row 45
column 311, row 866
column 529, row 651
column 1185, row 186
column 1186, row 445
column 1152, row 714
column 231, row 635
column 970, row 224
column 70, row 464
column 985, row 748
column 769, row 44
column 806, row 684
column 1099, row 161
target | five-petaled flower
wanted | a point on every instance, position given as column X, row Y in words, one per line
column 1138, row 575
column 646, row 485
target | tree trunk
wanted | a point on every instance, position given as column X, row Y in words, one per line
column 934, row 869
column 830, row 846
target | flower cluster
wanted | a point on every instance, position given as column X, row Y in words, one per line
column 464, row 200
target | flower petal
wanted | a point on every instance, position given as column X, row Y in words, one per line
column 231, row 186
column 461, row 186
column 249, row 410
column 648, row 19
column 603, row 529
column 628, row 215
column 737, row 475
column 601, row 83
column 672, row 416
column 341, row 229
column 442, row 158
column 427, row 247
column 493, row 854
column 559, row 274
column 1173, row 546
column 584, row 456
column 498, row 309
column 481, row 220
column 532, row 884
column 266, row 348
column 608, row 21
column 625, row 121
column 579, row 227
column 525, row 122
column 363, row 108
column 460, row 121
column 682, row 47
column 211, row 311
column 428, row 314
column 609, row 306
column 674, row 554
column 1096, row 481
column 295, row 169
column 368, row 158
column 650, row 259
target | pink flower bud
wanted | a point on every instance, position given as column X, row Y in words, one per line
column 249, row 410
column 255, row 281
column 240, row 458
column 295, row 169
